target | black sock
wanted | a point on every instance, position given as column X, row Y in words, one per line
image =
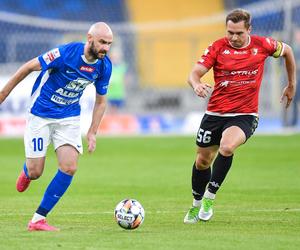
column 200, row 178
column 220, row 169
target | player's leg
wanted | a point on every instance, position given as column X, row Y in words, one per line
column 235, row 133
column 201, row 174
column 66, row 139
column 208, row 138
column 36, row 141
column 32, row 170
column 232, row 138
column 202, row 171
column 67, row 157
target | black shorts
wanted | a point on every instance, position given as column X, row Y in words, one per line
column 212, row 127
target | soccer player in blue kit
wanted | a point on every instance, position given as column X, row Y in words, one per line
column 54, row 114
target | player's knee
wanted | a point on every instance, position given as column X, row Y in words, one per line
column 70, row 170
column 68, row 166
column 202, row 162
column 227, row 149
column 34, row 173
column 34, row 169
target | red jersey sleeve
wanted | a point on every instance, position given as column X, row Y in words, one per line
column 209, row 56
column 273, row 47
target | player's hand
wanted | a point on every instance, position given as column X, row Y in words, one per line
column 289, row 93
column 202, row 89
column 91, row 138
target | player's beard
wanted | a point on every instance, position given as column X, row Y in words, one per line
column 240, row 43
column 94, row 53
column 237, row 44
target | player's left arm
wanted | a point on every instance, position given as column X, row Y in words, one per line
column 290, row 65
column 98, row 112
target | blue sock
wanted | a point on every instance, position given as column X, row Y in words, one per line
column 25, row 170
column 54, row 191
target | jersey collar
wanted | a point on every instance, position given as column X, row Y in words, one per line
column 88, row 62
column 249, row 41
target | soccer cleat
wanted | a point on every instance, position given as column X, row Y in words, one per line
column 192, row 216
column 41, row 225
column 22, row 182
column 206, row 211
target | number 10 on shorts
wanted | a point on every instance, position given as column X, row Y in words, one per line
column 203, row 136
column 38, row 144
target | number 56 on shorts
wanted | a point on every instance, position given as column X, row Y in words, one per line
column 204, row 136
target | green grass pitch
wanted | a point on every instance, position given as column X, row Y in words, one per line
column 258, row 206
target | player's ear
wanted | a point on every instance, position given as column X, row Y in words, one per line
column 250, row 29
column 89, row 38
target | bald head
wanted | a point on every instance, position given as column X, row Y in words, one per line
column 100, row 29
column 99, row 39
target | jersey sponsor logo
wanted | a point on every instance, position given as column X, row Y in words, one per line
column 71, row 90
column 244, row 72
column 241, row 72
column 67, row 93
column 78, row 85
column 51, row 55
column 226, row 52
column 87, row 69
column 236, row 83
column 63, row 101
column 243, row 52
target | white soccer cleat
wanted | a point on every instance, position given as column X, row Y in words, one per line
column 192, row 216
column 206, row 211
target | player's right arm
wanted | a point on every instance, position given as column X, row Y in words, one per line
column 201, row 89
column 204, row 64
column 22, row 72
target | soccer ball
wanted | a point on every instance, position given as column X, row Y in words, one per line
column 129, row 214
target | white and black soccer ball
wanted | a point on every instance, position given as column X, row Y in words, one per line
column 129, row 214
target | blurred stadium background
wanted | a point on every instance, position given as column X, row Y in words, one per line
column 158, row 41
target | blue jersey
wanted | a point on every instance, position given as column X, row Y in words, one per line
column 65, row 74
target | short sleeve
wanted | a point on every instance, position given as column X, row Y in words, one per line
column 103, row 81
column 274, row 48
column 209, row 56
column 52, row 58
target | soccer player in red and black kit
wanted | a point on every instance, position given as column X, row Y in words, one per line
column 232, row 113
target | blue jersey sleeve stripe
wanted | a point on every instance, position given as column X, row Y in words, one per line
column 42, row 62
